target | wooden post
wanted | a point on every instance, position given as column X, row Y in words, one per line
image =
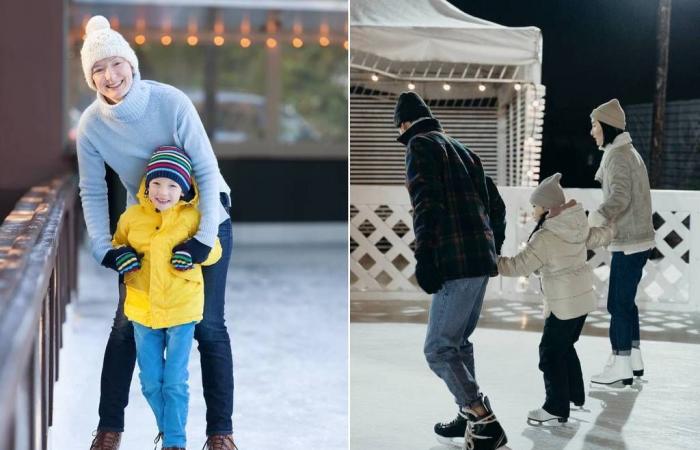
column 657, row 133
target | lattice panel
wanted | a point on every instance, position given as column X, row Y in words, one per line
column 382, row 263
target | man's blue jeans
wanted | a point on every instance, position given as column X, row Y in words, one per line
column 625, row 274
column 454, row 313
column 214, row 350
column 164, row 377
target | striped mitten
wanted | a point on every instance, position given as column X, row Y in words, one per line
column 122, row 260
column 181, row 260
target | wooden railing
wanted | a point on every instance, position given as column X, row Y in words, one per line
column 38, row 276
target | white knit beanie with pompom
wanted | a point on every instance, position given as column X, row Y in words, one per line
column 101, row 41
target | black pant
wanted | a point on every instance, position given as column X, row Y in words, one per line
column 563, row 380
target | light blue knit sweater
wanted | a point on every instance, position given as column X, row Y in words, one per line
column 124, row 136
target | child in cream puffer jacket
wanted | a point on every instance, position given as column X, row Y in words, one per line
column 556, row 250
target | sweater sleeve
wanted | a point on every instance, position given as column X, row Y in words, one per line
column 424, row 183
column 530, row 259
column 93, row 195
column 196, row 143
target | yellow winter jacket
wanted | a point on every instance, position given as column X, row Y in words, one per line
column 158, row 295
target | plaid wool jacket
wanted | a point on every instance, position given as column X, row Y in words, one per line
column 452, row 209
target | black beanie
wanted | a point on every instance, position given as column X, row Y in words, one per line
column 409, row 108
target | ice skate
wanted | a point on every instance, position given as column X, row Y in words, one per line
column 485, row 432
column 637, row 363
column 539, row 417
column 452, row 433
column 619, row 371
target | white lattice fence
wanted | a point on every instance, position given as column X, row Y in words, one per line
column 382, row 263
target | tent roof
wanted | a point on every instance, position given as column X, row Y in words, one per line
column 434, row 30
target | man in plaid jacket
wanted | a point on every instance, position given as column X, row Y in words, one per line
column 456, row 212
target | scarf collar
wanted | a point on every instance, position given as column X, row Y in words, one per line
column 420, row 126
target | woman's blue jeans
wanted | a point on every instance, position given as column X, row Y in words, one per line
column 213, row 343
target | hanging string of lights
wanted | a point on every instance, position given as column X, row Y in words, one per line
column 272, row 36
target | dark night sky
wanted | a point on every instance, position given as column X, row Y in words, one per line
column 595, row 50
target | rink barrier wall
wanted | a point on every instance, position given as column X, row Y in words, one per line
column 38, row 276
column 382, row 265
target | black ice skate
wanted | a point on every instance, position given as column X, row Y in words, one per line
column 452, row 433
column 483, row 433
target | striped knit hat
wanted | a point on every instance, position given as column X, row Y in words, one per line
column 170, row 162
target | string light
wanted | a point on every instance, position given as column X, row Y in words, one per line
column 324, row 41
column 245, row 42
column 482, row 88
column 192, row 38
column 517, row 86
column 297, row 42
column 166, row 40
column 271, row 42
column 140, row 37
column 374, row 77
column 411, row 86
column 218, row 32
column 446, row 87
column 346, row 44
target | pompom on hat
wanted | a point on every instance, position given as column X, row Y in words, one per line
column 610, row 113
column 172, row 163
column 101, row 42
column 549, row 193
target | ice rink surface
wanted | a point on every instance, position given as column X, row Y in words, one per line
column 396, row 399
column 287, row 317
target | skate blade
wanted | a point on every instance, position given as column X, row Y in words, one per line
column 556, row 422
column 616, row 383
column 456, row 442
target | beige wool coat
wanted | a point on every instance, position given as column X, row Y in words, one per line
column 557, row 253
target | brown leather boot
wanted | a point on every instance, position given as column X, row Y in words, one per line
column 220, row 442
column 106, row 440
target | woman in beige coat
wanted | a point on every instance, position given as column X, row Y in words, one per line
column 556, row 250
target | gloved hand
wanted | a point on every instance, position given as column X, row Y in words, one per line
column 122, row 260
column 181, row 260
column 427, row 273
column 188, row 253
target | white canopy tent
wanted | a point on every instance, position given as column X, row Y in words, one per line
column 434, row 30
column 482, row 81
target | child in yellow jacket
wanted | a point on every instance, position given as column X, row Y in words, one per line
column 164, row 288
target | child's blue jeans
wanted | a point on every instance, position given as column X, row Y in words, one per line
column 163, row 356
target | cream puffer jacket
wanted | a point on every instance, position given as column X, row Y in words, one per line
column 558, row 252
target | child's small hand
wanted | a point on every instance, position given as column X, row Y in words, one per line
column 181, row 260
column 122, row 260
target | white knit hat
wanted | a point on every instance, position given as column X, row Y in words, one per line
column 549, row 193
column 103, row 42
column 610, row 113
